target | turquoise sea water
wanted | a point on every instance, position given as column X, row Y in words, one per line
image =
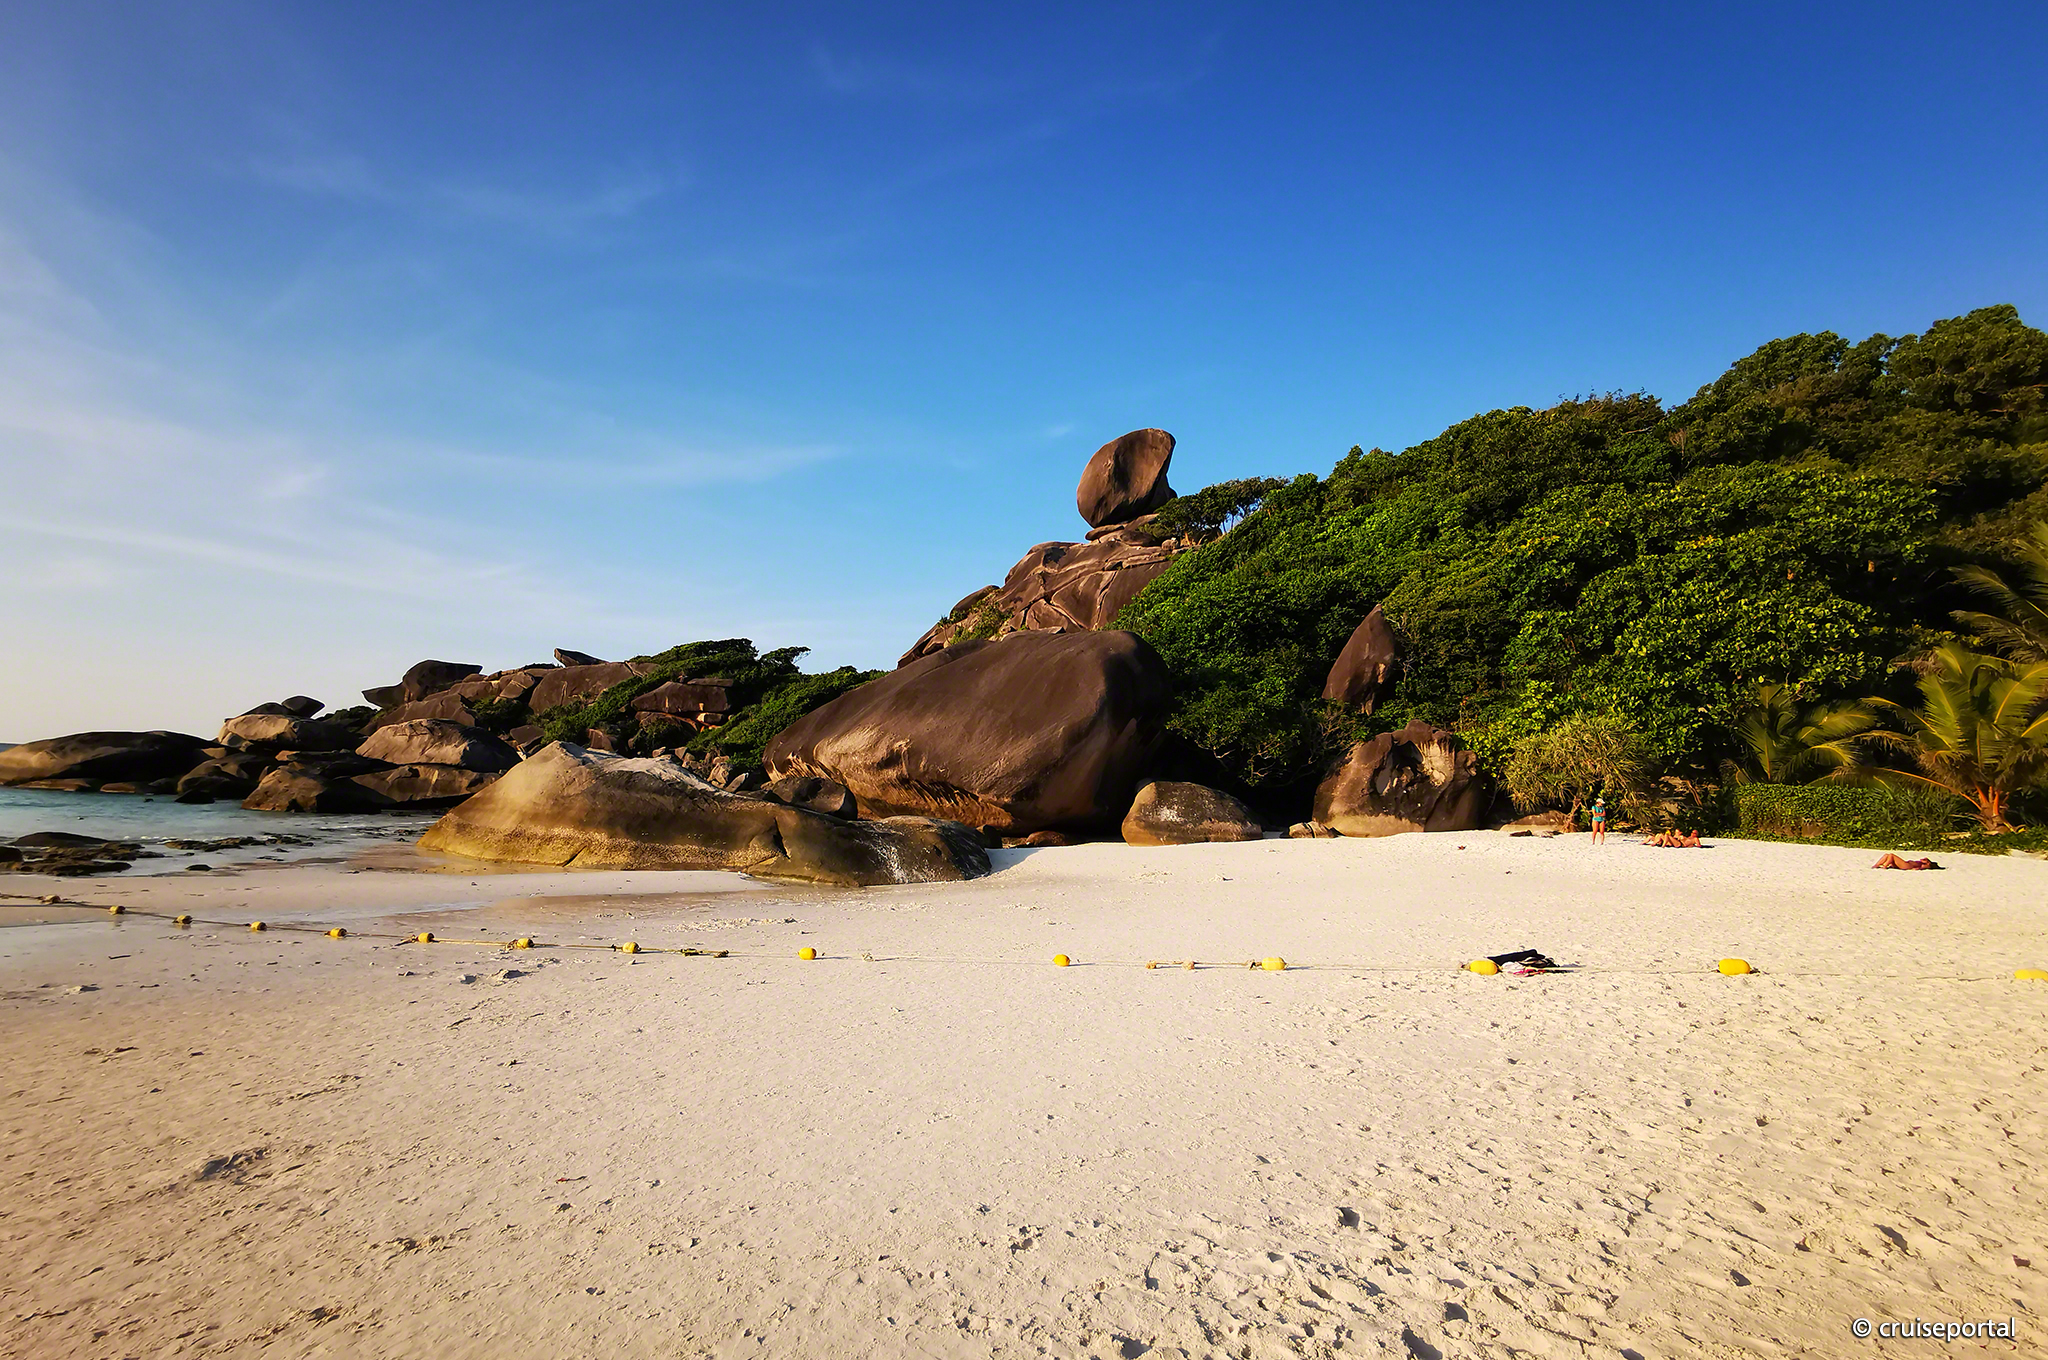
column 152, row 821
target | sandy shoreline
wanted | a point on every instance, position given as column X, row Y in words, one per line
column 283, row 1144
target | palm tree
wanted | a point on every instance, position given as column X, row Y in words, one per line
column 1797, row 743
column 2023, row 630
column 1980, row 732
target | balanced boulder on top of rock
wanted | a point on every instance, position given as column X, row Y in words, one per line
column 432, row 741
column 1126, row 478
column 1416, row 779
column 566, row 805
column 1365, row 671
column 1036, row 730
column 1167, row 812
column 567, row 657
column 101, row 757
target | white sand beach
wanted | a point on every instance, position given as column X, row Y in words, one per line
column 932, row 1142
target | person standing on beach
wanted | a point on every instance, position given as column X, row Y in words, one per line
column 1599, row 821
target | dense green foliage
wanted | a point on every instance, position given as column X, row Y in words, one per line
column 1842, row 815
column 1796, row 521
column 768, row 693
column 1587, row 756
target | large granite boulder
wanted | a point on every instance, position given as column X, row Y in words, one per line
column 1068, row 587
column 1126, row 478
column 579, row 684
column 819, row 795
column 1416, row 779
column 431, row 677
column 292, row 788
column 447, row 706
column 1167, row 812
column 1365, row 671
column 424, row 786
column 569, row 657
column 569, row 806
column 687, row 698
column 231, row 775
column 431, row 741
column 301, row 706
column 1036, row 730
column 270, row 728
column 101, row 757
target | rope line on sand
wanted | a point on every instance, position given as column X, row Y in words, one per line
column 1272, row 963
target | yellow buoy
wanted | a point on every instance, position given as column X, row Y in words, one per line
column 1485, row 966
column 258, row 925
column 629, row 947
column 1734, row 967
column 1189, row 965
column 116, row 909
column 1153, row 964
column 337, row 933
column 424, row 937
column 181, row 920
column 2031, row 975
column 523, row 942
column 1274, row 965
column 1060, row 960
column 807, row 953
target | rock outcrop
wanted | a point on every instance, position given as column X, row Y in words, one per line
column 431, row 677
column 1126, row 478
column 279, row 730
column 566, row 805
column 566, row 657
column 290, row 788
column 1167, row 812
column 1037, row 730
column 101, row 758
column 447, row 706
column 1365, row 671
column 1416, row 779
column 1070, row 587
column 578, row 684
column 423, row 786
column 437, row 742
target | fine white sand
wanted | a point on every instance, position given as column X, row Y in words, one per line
column 932, row 1142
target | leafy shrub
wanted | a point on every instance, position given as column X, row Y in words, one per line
column 1842, row 815
column 1202, row 515
column 743, row 736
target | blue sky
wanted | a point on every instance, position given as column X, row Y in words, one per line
column 335, row 336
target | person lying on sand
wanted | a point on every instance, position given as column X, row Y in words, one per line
column 1675, row 840
column 1891, row 861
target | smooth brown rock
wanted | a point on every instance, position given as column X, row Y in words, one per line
column 427, row 678
column 1365, row 671
column 292, row 790
column 1310, row 831
column 570, row 658
column 1037, row 730
column 1126, row 478
column 1038, row 840
column 1167, row 812
column 686, row 698
column 1057, row 587
column 422, row 786
column 1417, row 779
column 447, row 707
column 431, row 741
column 232, row 775
column 819, row 795
column 385, row 696
column 261, row 731
column 578, row 684
column 99, row 757
column 569, row 806
column 597, row 739
column 300, row 706
column 60, row 785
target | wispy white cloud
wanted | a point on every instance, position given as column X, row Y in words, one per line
column 894, row 77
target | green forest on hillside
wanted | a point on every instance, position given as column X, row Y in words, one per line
column 1797, row 522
